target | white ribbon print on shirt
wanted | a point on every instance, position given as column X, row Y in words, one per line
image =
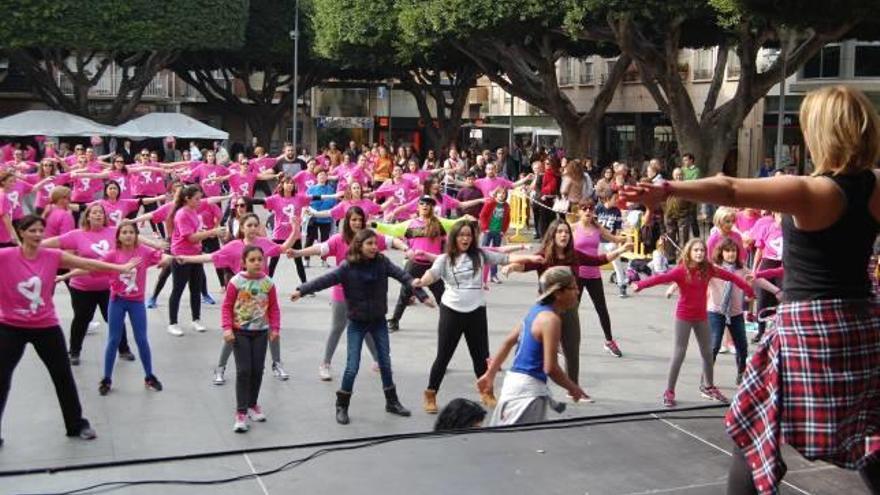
column 148, row 177
column 13, row 199
column 116, row 216
column 101, row 248
column 289, row 213
column 30, row 289
column 129, row 278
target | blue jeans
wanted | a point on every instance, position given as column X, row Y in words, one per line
column 492, row 239
column 357, row 331
column 717, row 323
column 137, row 313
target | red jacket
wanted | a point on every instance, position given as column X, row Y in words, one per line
column 550, row 184
column 486, row 216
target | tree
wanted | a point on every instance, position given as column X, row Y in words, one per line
column 363, row 37
column 653, row 32
column 262, row 66
column 79, row 41
column 517, row 43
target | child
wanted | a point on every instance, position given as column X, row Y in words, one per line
column 659, row 263
column 364, row 279
column 251, row 317
column 724, row 220
column 692, row 275
column 494, row 222
column 725, row 303
column 609, row 216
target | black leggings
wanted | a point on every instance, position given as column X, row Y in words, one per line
column 766, row 299
column 181, row 275
column 450, row 327
column 317, row 232
column 211, row 245
column 50, row 347
column 157, row 227
column 740, row 481
column 84, row 303
column 300, row 268
column 597, row 295
column 249, row 350
column 160, row 282
column 406, row 293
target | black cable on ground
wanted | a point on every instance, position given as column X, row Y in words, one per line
column 349, row 444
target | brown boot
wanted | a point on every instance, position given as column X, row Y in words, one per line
column 430, row 402
column 488, row 399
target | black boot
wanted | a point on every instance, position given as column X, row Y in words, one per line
column 392, row 404
column 342, row 401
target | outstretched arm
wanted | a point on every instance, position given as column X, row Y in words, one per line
column 486, row 383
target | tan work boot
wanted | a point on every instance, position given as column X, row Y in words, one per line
column 488, row 399
column 430, row 403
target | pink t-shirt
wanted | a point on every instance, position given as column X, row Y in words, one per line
column 262, row 164
column 285, row 209
column 304, row 180
column 693, row 289
column 770, row 241
column 85, row 189
column 715, row 239
column 124, row 183
column 443, row 208
column 91, row 244
column 229, row 256
column 431, row 245
column 205, row 174
column 130, row 285
column 5, row 209
column 15, row 196
column 348, row 175
column 161, row 213
column 402, row 193
column 44, row 191
column 28, row 288
column 242, row 184
column 210, row 213
column 417, row 178
column 487, row 185
column 369, row 207
column 146, row 183
column 117, row 210
column 338, row 249
column 587, row 241
column 58, row 222
column 186, row 222
column 745, row 222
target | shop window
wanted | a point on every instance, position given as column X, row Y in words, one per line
column 826, row 63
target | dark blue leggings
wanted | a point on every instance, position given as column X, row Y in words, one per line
column 137, row 313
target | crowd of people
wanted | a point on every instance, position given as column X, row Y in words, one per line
column 77, row 219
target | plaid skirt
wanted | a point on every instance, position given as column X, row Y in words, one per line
column 813, row 383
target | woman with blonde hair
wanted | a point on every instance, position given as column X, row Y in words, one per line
column 813, row 379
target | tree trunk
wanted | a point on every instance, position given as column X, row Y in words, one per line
column 263, row 124
column 576, row 139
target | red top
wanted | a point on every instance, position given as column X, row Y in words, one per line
column 692, row 286
column 550, row 183
column 486, row 215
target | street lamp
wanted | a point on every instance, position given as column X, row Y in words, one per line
column 295, row 35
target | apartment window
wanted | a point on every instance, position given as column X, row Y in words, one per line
column 566, row 71
column 734, row 66
column 704, row 62
column 867, row 60
column 507, row 97
column 825, row 64
column 585, row 75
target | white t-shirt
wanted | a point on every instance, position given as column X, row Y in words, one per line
column 464, row 285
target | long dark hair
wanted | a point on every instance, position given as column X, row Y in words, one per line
column 347, row 232
column 548, row 245
column 459, row 414
column 244, row 218
column 354, row 255
column 473, row 252
column 185, row 195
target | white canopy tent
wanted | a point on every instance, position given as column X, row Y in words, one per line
column 159, row 125
column 51, row 123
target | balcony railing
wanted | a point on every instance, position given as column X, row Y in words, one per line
column 108, row 85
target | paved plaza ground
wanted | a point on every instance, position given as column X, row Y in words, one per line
column 676, row 453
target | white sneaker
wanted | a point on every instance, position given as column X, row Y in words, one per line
column 198, row 327
column 256, row 414
column 94, row 326
column 240, row 425
column 175, row 330
column 279, row 372
column 324, row 372
column 219, row 379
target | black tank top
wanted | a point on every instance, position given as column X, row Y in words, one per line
column 833, row 263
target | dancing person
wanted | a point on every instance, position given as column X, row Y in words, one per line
column 525, row 396
column 494, row 222
column 364, row 279
column 251, row 318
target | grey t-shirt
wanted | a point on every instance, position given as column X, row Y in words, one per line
column 464, row 286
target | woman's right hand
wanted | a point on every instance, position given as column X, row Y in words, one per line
column 228, row 336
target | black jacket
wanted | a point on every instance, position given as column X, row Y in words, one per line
column 365, row 286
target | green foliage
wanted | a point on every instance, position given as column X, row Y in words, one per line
column 127, row 25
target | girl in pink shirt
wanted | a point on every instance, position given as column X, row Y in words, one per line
column 287, row 206
column 188, row 232
column 57, row 215
column 44, row 180
column 117, row 208
column 353, row 195
column 768, row 255
column 7, row 231
column 692, row 276
column 337, row 247
column 444, row 204
column 251, row 318
column 28, row 315
column 89, row 291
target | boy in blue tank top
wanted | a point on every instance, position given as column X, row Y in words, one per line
column 525, row 396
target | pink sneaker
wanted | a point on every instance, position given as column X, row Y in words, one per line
column 240, row 425
column 669, row 398
column 712, row 393
column 256, row 414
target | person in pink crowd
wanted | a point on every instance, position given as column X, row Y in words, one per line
column 349, row 173
column 262, row 163
column 337, row 246
column 57, row 215
column 588, row 236
column 28, row 316
column 242, row 178
column 493, row 181
column 251, row 318
column 768, row 254
column 287, row 205
column 19, row 163
column 415, row 174
column 693, row 275
column 186, row 240
column 84, row 190
column 205, row 174
column 444, row 204
column 119, row 209
column 353, row 195
column 46, row 178
column 724, row 221
column 90, row 291
column 398, row 190
column 148, row 183
column 304, row 179
column 425, row 235
column 124, row 175
column 7, row 208
column 73, row 158
column 557, row 249
column 230, row 257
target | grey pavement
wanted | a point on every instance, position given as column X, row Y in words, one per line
column 192, row 416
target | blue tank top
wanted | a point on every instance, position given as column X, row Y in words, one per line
column 529, row 357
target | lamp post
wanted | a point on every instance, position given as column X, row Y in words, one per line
column 295, row 35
